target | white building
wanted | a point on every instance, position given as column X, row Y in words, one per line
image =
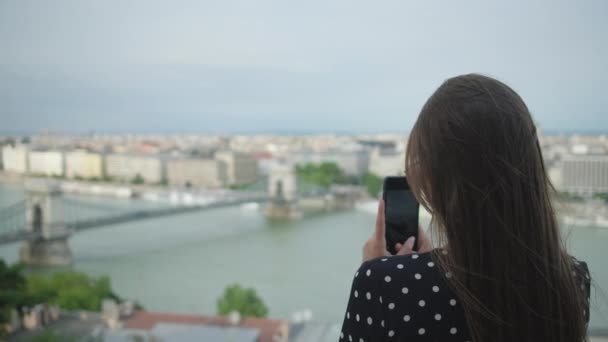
column 46, row 163
column 14, row 158
column 207, row 173
column 387, row 162
column 584, row 174
column 128, row 168
column 83, row 164
column 240, row 168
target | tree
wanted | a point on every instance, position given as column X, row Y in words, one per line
column 324, row 174
column 71, row 290
column 138, row 179
column 372, row 183
column 244, row 300
column 12, row 290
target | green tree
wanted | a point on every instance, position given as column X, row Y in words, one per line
column 324, row 174
column 372, row 183
column 71, row 290
column 12, row 290
column 138, row 179
column 601, row 196
column 244, row 300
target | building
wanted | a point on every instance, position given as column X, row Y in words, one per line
column 387, row 162
column 15, row 158
column 586, row 174
column 207, row 173
column 83, row 164
column 241, row 168
column 129, row 168
column 46, row 163
column 180, row 327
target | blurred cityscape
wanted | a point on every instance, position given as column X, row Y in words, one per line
column 195, row 170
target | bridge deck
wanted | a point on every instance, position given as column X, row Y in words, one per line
column 85, row 224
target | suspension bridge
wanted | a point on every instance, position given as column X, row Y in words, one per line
column 45, row 219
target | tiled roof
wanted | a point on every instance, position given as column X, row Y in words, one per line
column 146, row 320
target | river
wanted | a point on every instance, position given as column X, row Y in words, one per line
column 183, row 263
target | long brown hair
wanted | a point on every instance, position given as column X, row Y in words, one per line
column 474, row 162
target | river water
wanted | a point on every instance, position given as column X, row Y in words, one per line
column 183, row 263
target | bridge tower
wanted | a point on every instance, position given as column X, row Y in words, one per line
column 44, row 218
column 282, row 188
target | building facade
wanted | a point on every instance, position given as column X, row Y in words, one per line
column 387, row 162
column 584, row 174
column 15, row 158
column 46, row 163
column 206, row 173
column 83, row 164
column 129, row 168
column 241, row 168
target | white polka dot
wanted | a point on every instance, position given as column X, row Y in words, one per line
column 384, row 259
column 350, row 338
column 361, row 340
column 405, row 290
column 357, row 317
column 356, row 294
column 431, row 264
column 435, row 288
column 406, row 318
column 421, row 331
column 414, row 256
column 417, row 276
column 347, row 315
column 453, row 302
column 356, row 274
column 369, row 320
column 387, row 279
column 341, row 334
column 421, row 303
column 448, row 274
column 380, row 299
column 437, row 317
column 382, row 323
column 453, row 331
column 368, row 272
column 391, row 333
column 368, row 296
column 400, row 266
column 391, row 306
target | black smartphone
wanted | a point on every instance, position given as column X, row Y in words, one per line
column 400, row 212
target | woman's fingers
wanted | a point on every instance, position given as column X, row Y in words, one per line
column 379, row 233
column 375, row 247
column 408, row 246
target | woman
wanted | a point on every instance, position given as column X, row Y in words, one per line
column 502, row 274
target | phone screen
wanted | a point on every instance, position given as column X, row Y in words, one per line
column 400, row 212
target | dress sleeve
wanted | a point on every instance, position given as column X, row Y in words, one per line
column 364, row 317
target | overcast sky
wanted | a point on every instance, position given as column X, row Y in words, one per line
column 287, row 66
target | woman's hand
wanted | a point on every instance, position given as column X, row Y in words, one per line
column 375, row 247
column 424, row 244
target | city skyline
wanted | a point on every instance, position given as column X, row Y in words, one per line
column 239, row 67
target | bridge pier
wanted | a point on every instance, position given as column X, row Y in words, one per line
column 282, row 189
column 44, row 218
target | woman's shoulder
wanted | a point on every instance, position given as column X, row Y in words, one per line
column 396, row 272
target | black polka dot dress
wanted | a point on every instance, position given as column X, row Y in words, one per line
column 406, row 298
